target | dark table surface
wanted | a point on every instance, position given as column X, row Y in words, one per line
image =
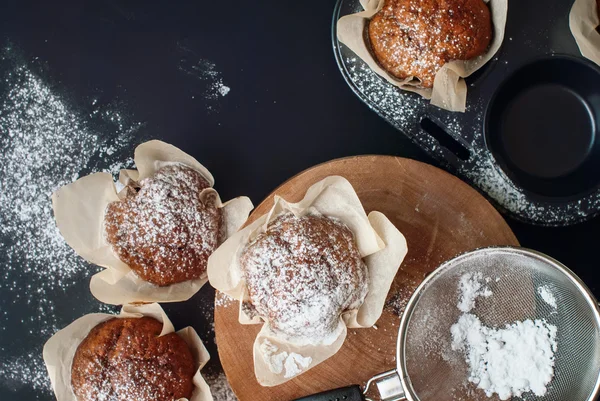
column 288, row 109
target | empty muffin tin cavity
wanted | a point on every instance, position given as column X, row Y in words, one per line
column 541, row 127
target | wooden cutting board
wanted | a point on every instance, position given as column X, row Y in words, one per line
column 439, row 215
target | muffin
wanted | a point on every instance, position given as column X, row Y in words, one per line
column 163, row 229
column 125, row 359
column 415, row 38
column 302, row 273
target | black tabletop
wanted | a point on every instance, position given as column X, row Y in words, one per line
column 251, row 89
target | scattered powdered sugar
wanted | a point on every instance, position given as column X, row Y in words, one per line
column 547, row 295
column 220, row 388
column 45, row 143
column 505, row 361
column 398, row 299
column 222, row 299
column 471, row 287
column 25, row 371
column 292, row 362
column 207, row 78
column 401, row 108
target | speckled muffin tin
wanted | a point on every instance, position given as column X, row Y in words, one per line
column 530, row 137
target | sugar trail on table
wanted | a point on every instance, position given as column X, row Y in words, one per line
column 219, row 388
column 505, row 361
column 207, row 81
column 45, row 143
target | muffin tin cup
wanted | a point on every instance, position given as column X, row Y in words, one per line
column 528, row 138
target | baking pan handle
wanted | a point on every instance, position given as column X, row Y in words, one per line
column 350, row 393
column 388, row 384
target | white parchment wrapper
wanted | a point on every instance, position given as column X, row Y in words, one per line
column 60, row 349
column 380, row 244
column 449, row 88
column 583, row 21
column 79, row 210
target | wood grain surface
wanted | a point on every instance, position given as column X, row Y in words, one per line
column 439, row 215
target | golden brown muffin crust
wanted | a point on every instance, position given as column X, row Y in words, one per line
column 303, row 273
column 414, row 38
column 125, row 360
column 163, row 230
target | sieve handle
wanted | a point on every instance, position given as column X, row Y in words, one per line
column 350, row 393
column 389, row 388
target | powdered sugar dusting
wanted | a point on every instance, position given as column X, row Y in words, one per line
column 411, row 39
column 402, row 108
column 45, row 143
column 292, row 363
column 220, row 388
column 208, row 80
column 222, row 299
column 302, row 274
column 166, row 227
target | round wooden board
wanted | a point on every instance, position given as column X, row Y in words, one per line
column 439, row 215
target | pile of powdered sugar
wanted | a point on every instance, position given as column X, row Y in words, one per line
column 547, row 295
column 471, row 287
column 505, row 361
column 290, row 364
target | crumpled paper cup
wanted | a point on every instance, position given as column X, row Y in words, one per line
column 60, row 349
column 583, row 21
column 79, row 210
column 379, row 242
column 449, row 88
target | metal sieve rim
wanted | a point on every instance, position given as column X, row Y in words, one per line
column 514, row 250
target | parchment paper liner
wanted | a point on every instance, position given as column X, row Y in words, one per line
column 381, row 245
column 60, row 349
column 449, row 88
column 79, row 212
column 583, row 21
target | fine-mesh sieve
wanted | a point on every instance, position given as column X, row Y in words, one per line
column 429, row 370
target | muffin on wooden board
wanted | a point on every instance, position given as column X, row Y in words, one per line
column 308, row 271
column 303, row 273
column 415, row 38
column 163, row 229
column 125, row 359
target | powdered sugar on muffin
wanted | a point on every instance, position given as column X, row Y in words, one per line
column 415, row 38
column 164, row 229
column 302, row 274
